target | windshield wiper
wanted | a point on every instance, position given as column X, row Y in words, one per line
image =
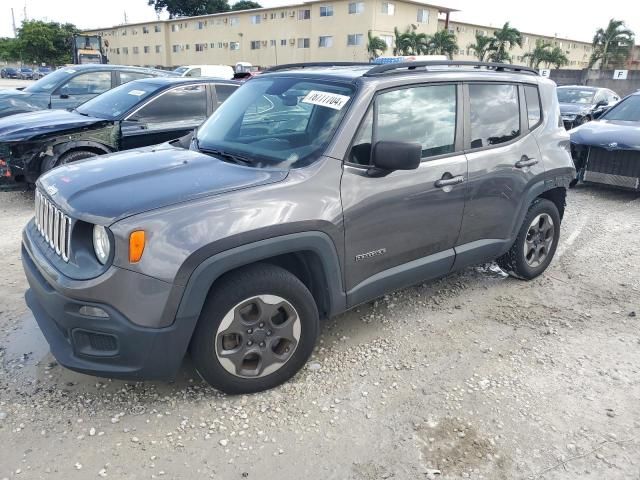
column 226, row 156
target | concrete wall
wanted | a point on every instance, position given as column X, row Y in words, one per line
column 598, row 78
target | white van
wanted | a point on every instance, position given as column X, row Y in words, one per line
column 217, row 71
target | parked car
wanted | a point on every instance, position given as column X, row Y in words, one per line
column 70, row 87
column 580, row 104
column 9, row 72
column 216, row 71
column 139, row 113
column 25, row 73
column 237, row 245
column 41, row 72
column 607, row 151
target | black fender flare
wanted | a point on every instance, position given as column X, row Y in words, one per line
column 62, row 148
column 192, row 297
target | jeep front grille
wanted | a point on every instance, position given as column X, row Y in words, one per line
column 53, row 225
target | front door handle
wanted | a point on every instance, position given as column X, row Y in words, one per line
column 526, row 162
column 446, row 182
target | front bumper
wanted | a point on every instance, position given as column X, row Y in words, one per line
column 109, row 347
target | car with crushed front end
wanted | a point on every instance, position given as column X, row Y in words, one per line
column 136, row 114
column 69, row 87
column 581, row 104
column 607, row 151
column 313, row 189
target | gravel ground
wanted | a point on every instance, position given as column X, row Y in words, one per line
column 473, row 376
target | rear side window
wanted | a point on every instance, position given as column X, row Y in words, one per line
column 533, row 105
column 184, row 104
column 126, row 77
column 224, row 91
column 495, row 114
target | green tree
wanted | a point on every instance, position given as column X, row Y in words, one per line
column 397, row 41
column 612, row 45
column 504, row 40
column 539, row 54
column 442, row 42
column 245, row 5
column 556, row 58
column 45, row 42
column 190, row 8
column 412, row 42
column 9, row 50
column 482, row 48
column 375, row 46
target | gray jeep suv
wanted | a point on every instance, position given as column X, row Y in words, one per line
column 313, row 189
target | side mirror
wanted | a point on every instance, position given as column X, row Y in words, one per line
column 390, row 155
column 601, row 103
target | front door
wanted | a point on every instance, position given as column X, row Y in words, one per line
column 504, row 160
column 401, row 226
column 80, row 88
column 169, row 115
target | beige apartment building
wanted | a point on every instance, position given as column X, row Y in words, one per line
column 310, row 31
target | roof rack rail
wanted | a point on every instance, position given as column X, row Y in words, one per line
column 498, row 67
column 289, row 66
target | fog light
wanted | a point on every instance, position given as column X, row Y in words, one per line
column 93, row 312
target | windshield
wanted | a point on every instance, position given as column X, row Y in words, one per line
column 280, row 121
column 115, row 102
column 26, row 70
column 628, row 110
column 181, row 70
column 50, row 82
column 576, row 95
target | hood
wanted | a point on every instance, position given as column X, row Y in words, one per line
column 111, row 187
column 17, row 101
column 575, row 108
column 28, row 126
column 610, row 134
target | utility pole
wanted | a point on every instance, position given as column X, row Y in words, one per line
column 13, row 19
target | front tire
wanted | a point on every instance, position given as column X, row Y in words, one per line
column 258, row 327
column 73, row 156
column 536, row 242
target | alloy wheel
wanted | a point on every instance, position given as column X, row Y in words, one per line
column 539, row 240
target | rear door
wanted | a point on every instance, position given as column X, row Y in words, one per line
column 401, row 227
column 504, row 160
column 81, row 88
column 169, row 115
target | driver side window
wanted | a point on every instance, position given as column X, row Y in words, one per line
column 91, row 83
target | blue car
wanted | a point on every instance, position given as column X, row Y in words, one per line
column 71, row 86
column 9, row 72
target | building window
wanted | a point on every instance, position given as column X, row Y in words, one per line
column 387, row 8
column 175, row 48
column 461, row 52
column 145, row 30
column 255, row 19
column 325, row 42
column 158, row 48
column 234, row 21
column 355, row 39
column 388, row 39
column 423, row 15
column 482, row 33
column 356, row 8
column 200, row 47
column 304, row 14
column 303, row 43
column 157, row 29
column 118, row 51
column 125, row 50
column 175, row 28
column 272, row 43
column 201, row 25
column 124, row 33
column 136, row 50
column 255, row 44
column 273, row 15
column 147, row 49
column 326, row 11
column 283, row 42
column 233, row 45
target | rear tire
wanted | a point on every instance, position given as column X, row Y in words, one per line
column 258, row 327
column 73, row 156
column 536, row 242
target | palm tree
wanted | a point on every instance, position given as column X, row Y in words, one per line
column 612, row 45
column 483, row 46
column 375, row 46
column 556, row 57
column 442, row 42
column 413, row 43
column 397, row 41
column 504, row 40
column 539, row 54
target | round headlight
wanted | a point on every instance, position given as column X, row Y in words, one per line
column 101, row 243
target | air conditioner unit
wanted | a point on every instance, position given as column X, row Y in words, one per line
column 292, row 41
column 264, row 43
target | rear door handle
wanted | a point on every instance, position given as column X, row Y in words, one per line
column 446, row 182
column 526, row 162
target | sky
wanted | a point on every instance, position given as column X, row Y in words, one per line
column 567, row 19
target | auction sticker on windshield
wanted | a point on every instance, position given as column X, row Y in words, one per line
column 326, row 99
column 137, row 93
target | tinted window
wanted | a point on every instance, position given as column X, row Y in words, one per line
column 223, row 92
column 118, row 101
column 576, row 95
column 91, row 83
column 194, row 72
column 51, row 81
column 533, row 105
column 180, row 104
column 495, row 114
column 422, row 114
column 626, row 110
column 130, row 76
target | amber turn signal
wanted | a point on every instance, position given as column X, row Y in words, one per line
column 136, row 245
